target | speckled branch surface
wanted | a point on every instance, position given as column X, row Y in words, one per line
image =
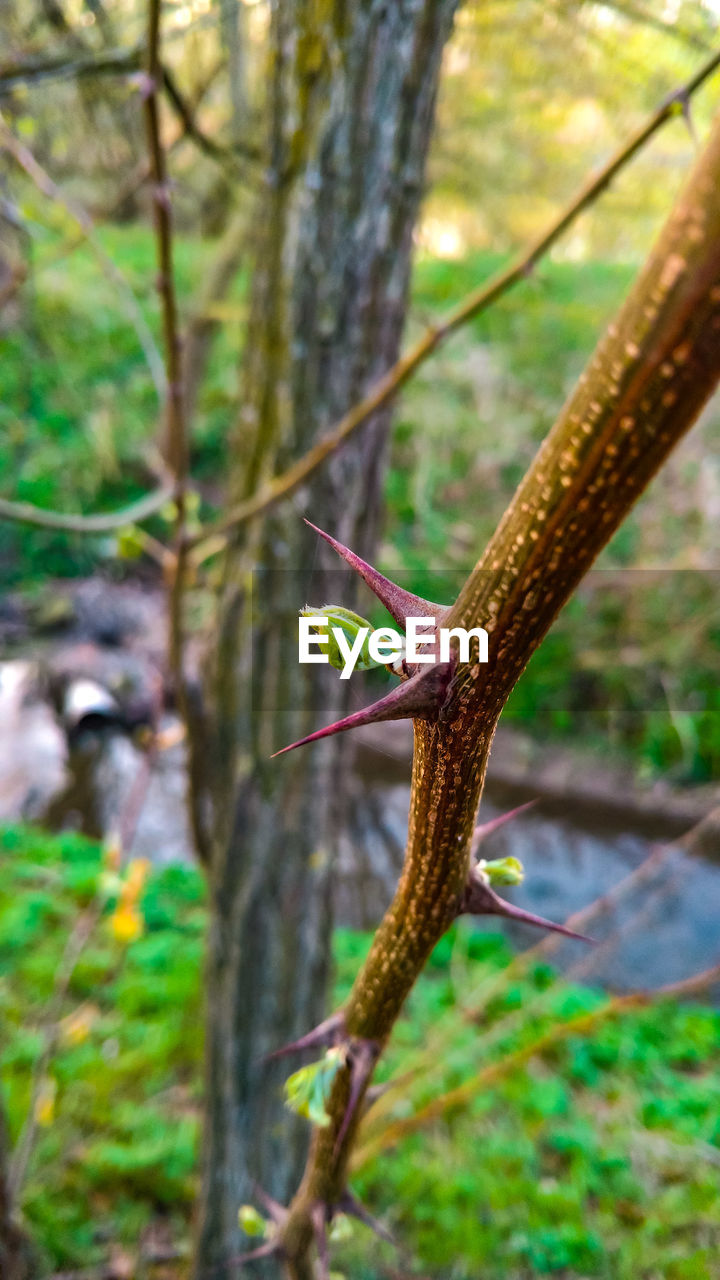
column 644, row 386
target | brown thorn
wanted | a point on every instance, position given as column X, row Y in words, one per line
column 399, row 603
column 325, row 1035
column 319, row 1218
column 349, row 1204
column 420, row 697
column 277, row 1211
column 361, row 1059
column 480, row 900
column 263, row 1251
column 487, row 828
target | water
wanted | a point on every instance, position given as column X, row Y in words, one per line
column 657, row 914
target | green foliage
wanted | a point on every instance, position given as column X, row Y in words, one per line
column 595, row 1153
column 597, row 1157
column 120, row 1142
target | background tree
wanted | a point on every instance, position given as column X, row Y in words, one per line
column 351, row 100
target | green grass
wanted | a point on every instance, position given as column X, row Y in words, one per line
column 597, row 1154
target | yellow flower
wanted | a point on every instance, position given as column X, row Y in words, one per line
column 126, row 923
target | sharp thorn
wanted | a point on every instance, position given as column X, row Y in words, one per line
column 486, row 828
column 325, row 1036
column 263, row 1251
column 349, row 1204
column 420, row 697
column 480, row 900
column 318, row 1215
column 689, row 122
column 375, row 1092
column 539, row 922
column 399, row 603
column 362, row 1056
column 277, row 1211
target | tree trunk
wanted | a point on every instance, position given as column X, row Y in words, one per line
column 351, row 101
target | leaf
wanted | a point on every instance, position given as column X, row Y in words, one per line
column 252, row 1222
column 130, row 543
column 351, row 624
column 502, row 870
column 307, row 1090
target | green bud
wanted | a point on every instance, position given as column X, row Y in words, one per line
column 168, row 512
column 130, row 543
column 502, row 870
column 350, row 623
column 307, row 1091
column 341, row 1229
column 251, row 1222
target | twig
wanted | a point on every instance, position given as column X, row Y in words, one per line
column 635, row 13
column 176, row 448
column 24, row 157
column 416, row 1064
column 579, row 1025
column 206, row 542
column 103, row 522
column 136, row 180
column 238, row 152
column 32, row 70
column 175, row 443
column 74, row 947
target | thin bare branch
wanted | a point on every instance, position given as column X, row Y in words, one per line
column 76, row 943
column 206, row 543
column 494, row 1071
column 236, row 153
column 175, row 444
column 42, row 180
column 34, row 70
column 103, row 522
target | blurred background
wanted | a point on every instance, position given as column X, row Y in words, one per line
column 548, row 1115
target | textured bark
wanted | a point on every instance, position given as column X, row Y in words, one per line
column 351, row 98
column 655, row 368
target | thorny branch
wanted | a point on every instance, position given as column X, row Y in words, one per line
column 475, row 1001
column 643, row 388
